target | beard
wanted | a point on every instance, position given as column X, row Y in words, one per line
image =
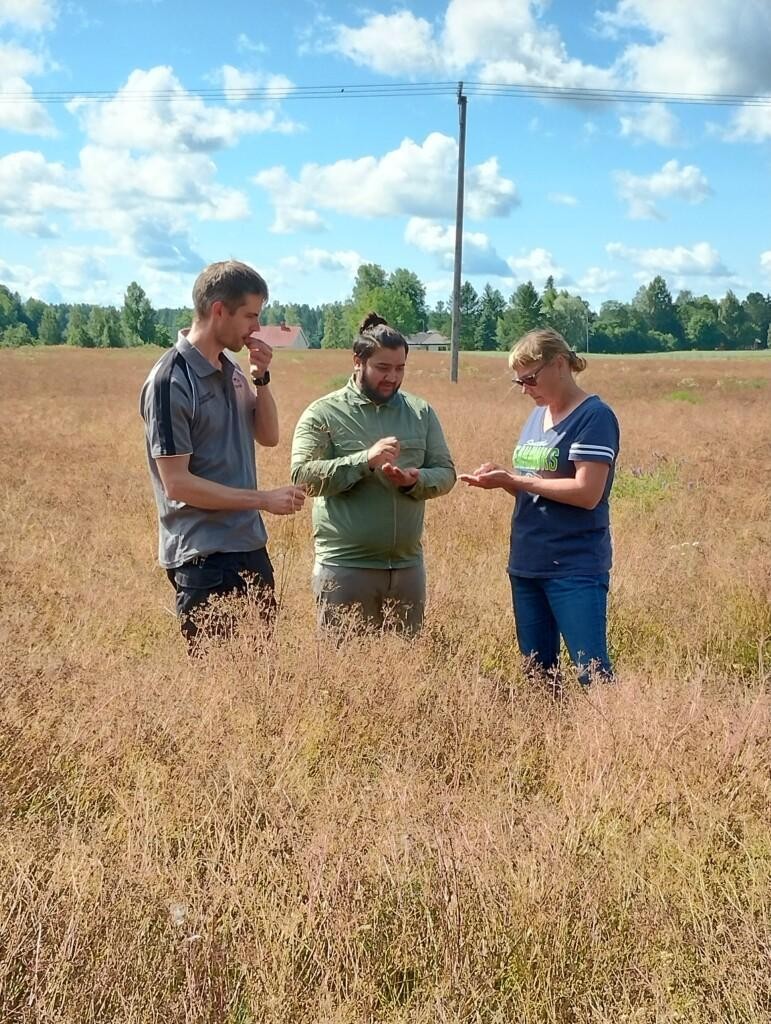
column 377, row 397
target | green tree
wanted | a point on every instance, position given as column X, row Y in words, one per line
column 162, row 336
column 16, row 335
column 440, row 318
column 182, row 320
column 33, row 310
column 655, row 302
column 273, row 313
column 616, row 314
column 77, row 334
column 547, row 299
column 469, row 316
column 523, row 314
column 703, row 330
column 733, row 320
column 369, row 277
column 408, row 284
column 758, row 310
column 491, row 307
column 49, row 332
column 95, row 327
column 335, row 335
column 570, row 316
column 138, row 316
column 11, row 311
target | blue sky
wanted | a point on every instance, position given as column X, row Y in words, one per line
column 603, row 196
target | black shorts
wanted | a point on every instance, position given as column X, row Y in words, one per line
column 248, row 574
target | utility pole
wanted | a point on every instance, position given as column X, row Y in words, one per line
column 455, row 333
column 586, row 325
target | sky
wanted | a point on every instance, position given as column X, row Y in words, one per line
column 156, row 180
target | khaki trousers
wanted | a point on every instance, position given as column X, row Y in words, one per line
column 372, row 598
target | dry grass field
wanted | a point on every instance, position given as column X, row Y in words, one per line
column 289, row 831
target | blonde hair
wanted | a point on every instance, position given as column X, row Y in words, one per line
column 544, row 343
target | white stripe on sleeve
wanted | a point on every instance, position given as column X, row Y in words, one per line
column 592, row 451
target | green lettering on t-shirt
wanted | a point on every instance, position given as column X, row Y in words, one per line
column 534, row 456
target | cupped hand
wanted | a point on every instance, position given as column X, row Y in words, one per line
column 400, row 477
column 385, row 450
column 488, row 476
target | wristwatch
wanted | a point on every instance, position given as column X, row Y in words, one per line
column 260, row 382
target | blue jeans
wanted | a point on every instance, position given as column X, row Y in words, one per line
column 575, row 607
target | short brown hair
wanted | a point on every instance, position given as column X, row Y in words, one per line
column 228, row 282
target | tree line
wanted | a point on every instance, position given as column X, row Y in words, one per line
column 653, row 321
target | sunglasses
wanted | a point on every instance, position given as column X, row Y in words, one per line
column 530, row 379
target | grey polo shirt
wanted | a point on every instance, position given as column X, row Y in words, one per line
column 191, row 408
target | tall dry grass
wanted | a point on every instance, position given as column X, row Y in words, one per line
column 384, row 831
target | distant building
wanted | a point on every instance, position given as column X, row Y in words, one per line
column 284, row 336
column 428, row 341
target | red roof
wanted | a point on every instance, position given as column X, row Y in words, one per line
column 282, row 335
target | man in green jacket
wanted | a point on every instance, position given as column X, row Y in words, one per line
column 371, row 455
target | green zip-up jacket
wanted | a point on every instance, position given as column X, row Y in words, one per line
column 360, row 519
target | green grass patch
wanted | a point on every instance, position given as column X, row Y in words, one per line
column 685, row 395
column 646, row 487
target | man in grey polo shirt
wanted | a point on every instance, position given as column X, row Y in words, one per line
column 202, row 418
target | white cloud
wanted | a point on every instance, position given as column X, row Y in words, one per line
column 18, row 62
column 671, row 182
column 245, row 44
column 114, row 179
column 235, row 82
column 712, row 46
column 653, row 123
column 536, row 266
column 63, row 273
column 290, row 199
column 562, row 199
column 393, row 44
column 749, row 124
column 35, row 15
column 596, row 281
column 479, row 255
column 28, row 282
column 439, row 288
column 19, row 110
column 504, row 39
column 416, row 179
column 342, row 260
column 31, row 190
column 701, row 260
column 76, row 268
column 145, row 173
column 153, row 112
column 765, row 261
column 145, row 203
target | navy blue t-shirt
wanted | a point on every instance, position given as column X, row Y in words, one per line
column 550, row 538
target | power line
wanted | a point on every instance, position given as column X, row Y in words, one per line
column 391, row 90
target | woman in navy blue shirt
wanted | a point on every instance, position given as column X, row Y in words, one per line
column 560, row 552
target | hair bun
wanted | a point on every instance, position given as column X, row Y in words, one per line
column 371, row 320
